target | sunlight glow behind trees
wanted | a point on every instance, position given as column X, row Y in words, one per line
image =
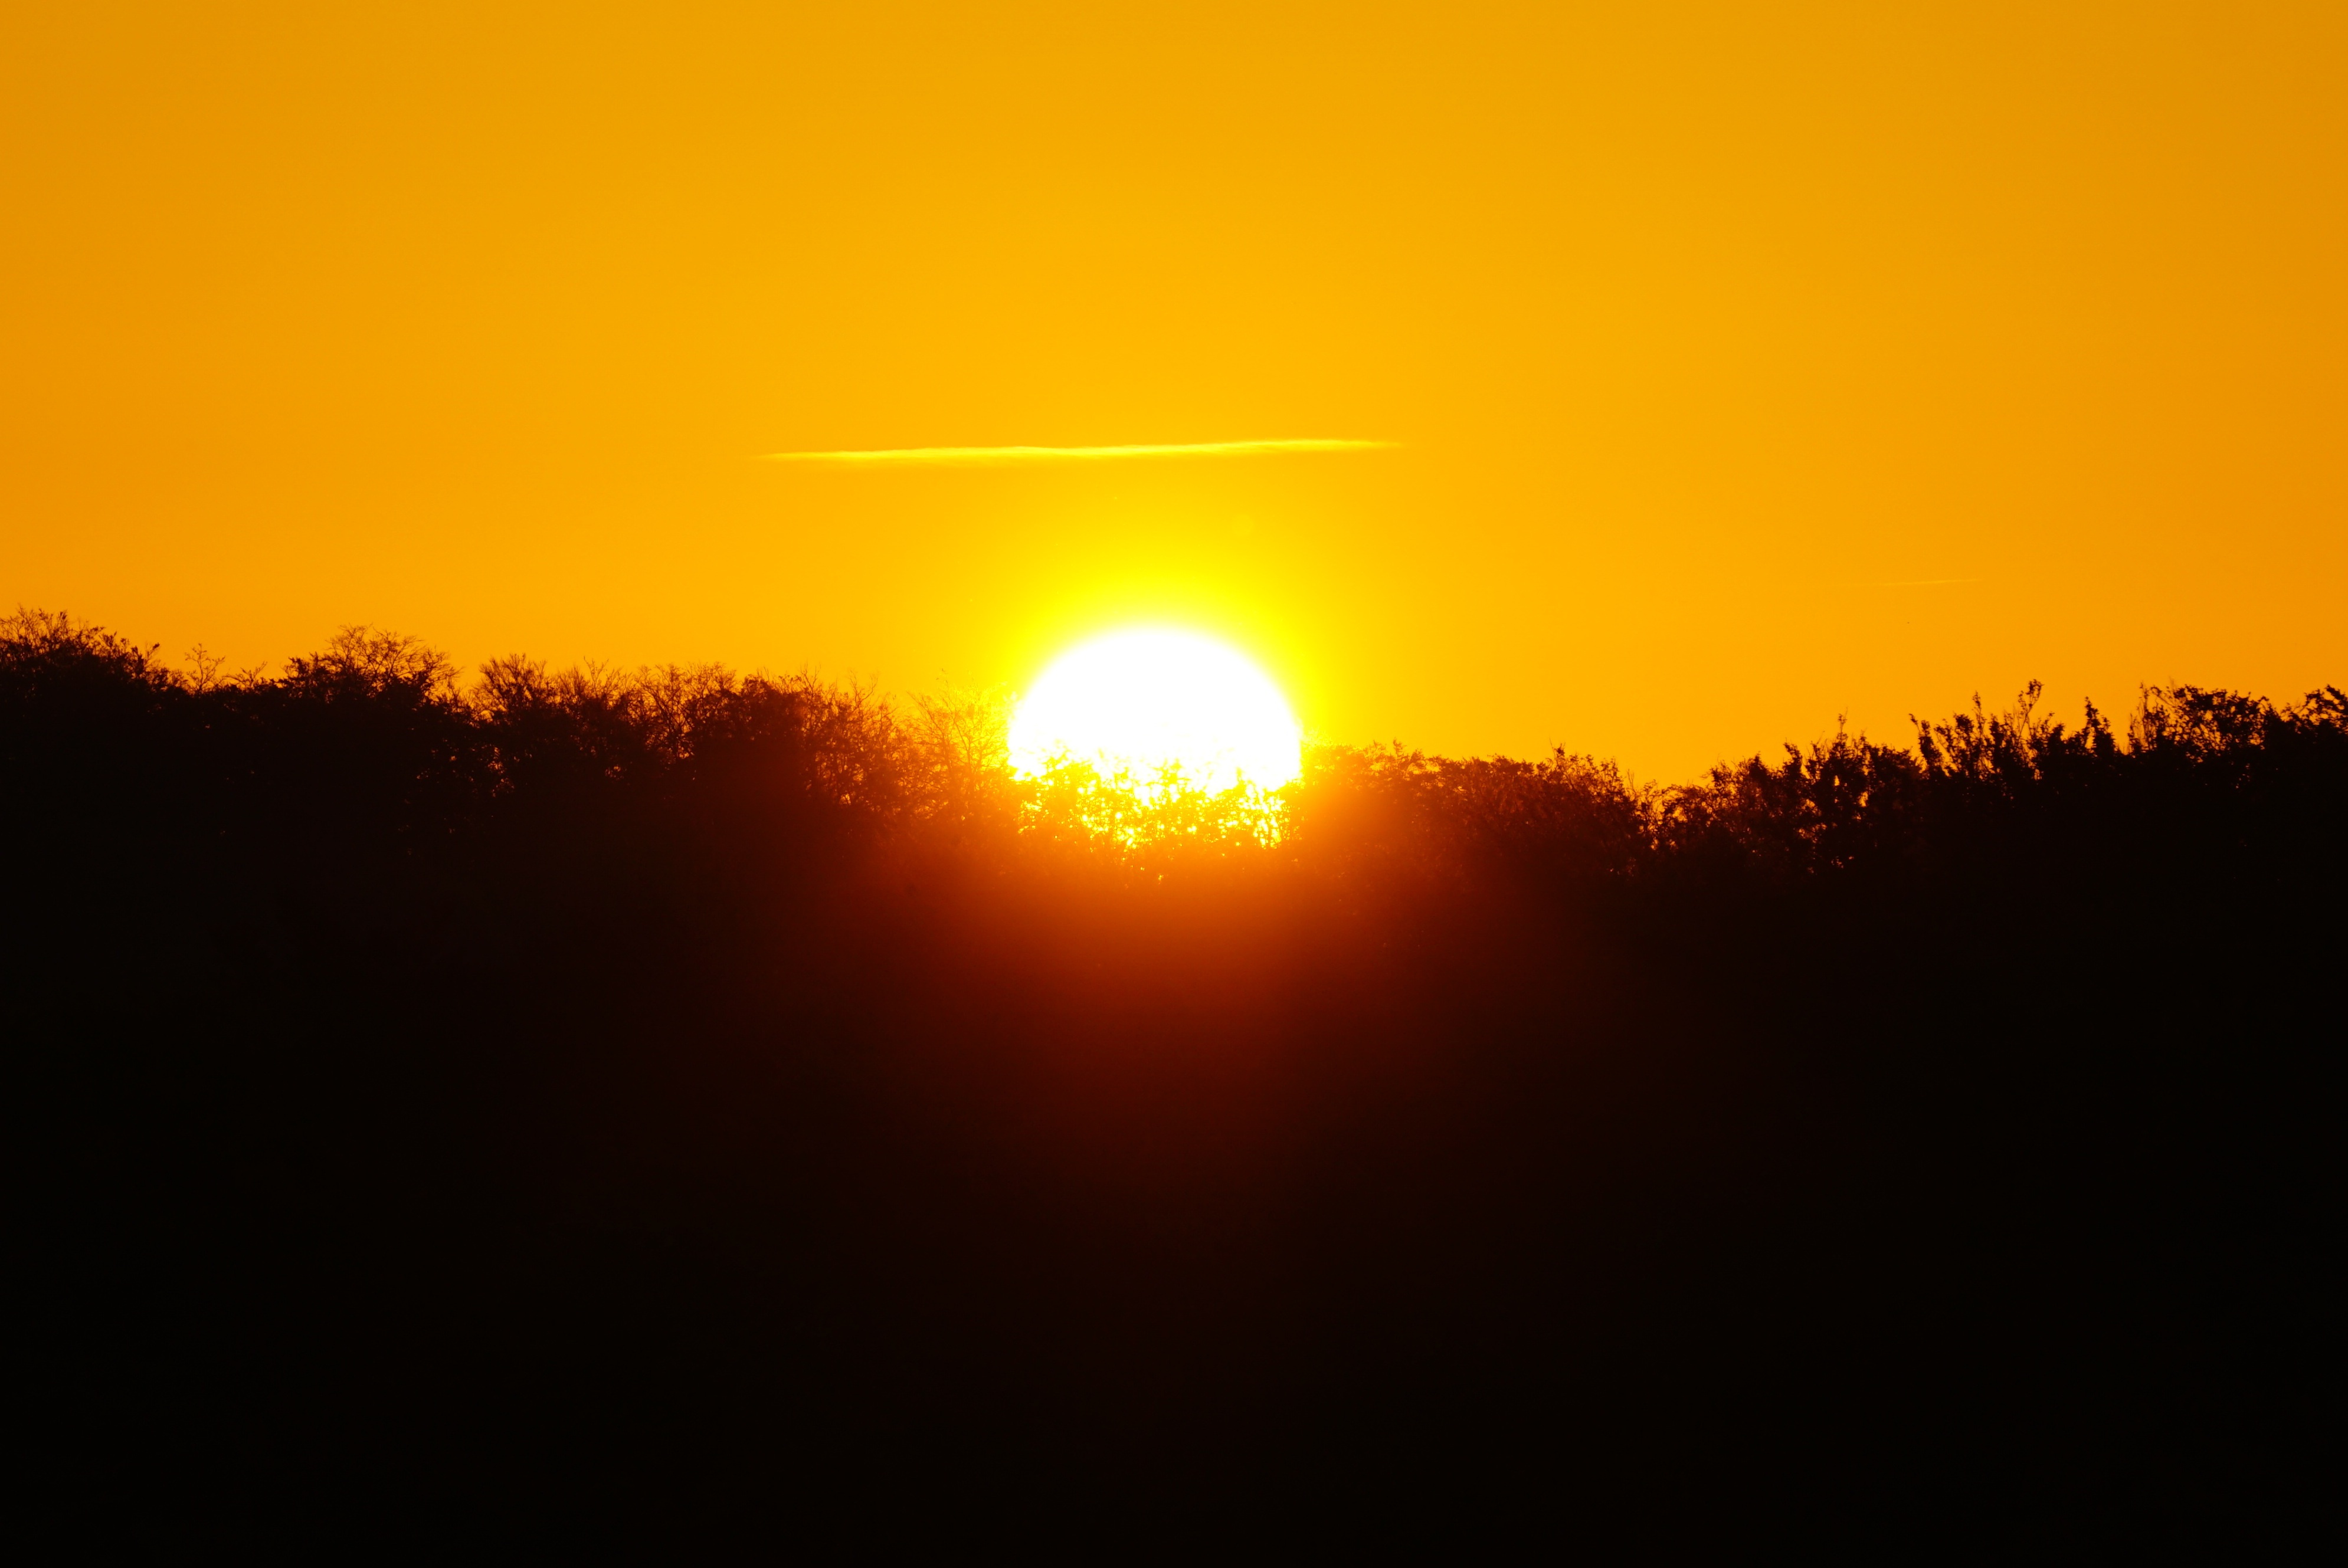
column 1159, row 706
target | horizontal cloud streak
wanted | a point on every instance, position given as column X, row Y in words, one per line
column 970, row 456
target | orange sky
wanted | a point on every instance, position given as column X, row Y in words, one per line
column 1748, row 364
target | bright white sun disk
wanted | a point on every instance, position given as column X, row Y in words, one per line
column 1134, row 701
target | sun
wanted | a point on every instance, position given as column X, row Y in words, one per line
column 1137, row 701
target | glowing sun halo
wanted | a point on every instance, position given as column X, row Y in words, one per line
column 1136, row 701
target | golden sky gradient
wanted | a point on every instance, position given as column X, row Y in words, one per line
column 1737, row 366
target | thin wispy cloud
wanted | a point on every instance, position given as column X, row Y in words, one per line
column 1906, row 582
column 986, row 457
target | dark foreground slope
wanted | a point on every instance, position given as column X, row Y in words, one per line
column 580, row 1098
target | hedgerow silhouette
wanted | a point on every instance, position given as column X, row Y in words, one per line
column 403, row 721
column 705, row 1079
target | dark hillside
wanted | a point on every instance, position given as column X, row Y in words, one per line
column 570, row 1093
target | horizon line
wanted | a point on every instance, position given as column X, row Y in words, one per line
column 986, row 455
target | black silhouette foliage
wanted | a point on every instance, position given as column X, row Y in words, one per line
column 566, row 1088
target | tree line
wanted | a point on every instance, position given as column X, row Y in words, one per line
column 588, row 1084
column 380, row 728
